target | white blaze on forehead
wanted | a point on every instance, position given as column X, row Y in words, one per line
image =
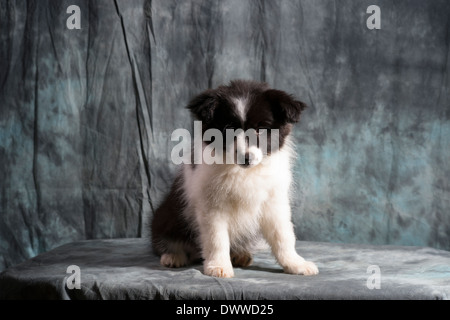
column 241, row 107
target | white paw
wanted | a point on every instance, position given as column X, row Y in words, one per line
column 172, row 260
column 218, row 271
column 306, row 268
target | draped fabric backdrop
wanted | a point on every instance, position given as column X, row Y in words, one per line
column 86, row 114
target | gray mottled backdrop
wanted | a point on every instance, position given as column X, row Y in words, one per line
column 86, row 115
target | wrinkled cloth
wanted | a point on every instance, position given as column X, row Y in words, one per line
column 126, row 269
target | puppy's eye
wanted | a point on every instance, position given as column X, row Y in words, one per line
column 261, row 130
column 229, row 127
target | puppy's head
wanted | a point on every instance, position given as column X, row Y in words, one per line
column 253, row 119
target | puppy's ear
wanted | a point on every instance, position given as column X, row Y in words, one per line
column 204, row 105
column 284, row 106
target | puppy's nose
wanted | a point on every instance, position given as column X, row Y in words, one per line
column 247, row 159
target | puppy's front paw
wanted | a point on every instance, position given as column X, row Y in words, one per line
column 306, row 268
column 219, row 271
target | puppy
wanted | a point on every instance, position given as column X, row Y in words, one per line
column 216, row 212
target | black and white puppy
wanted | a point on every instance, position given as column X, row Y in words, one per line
column 216, row 212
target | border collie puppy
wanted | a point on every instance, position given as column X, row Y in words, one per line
column 217, row 212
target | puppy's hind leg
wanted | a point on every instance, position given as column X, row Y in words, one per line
column 174, row 255
column 172, row 238
column 241, row 259
column 178, row 254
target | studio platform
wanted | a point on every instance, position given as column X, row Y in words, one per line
column 127, row 269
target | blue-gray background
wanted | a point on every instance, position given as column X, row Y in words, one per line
column 86, row 115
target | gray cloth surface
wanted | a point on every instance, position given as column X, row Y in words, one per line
column 126, row 269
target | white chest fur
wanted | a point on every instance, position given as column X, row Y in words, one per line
column 235, row 195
